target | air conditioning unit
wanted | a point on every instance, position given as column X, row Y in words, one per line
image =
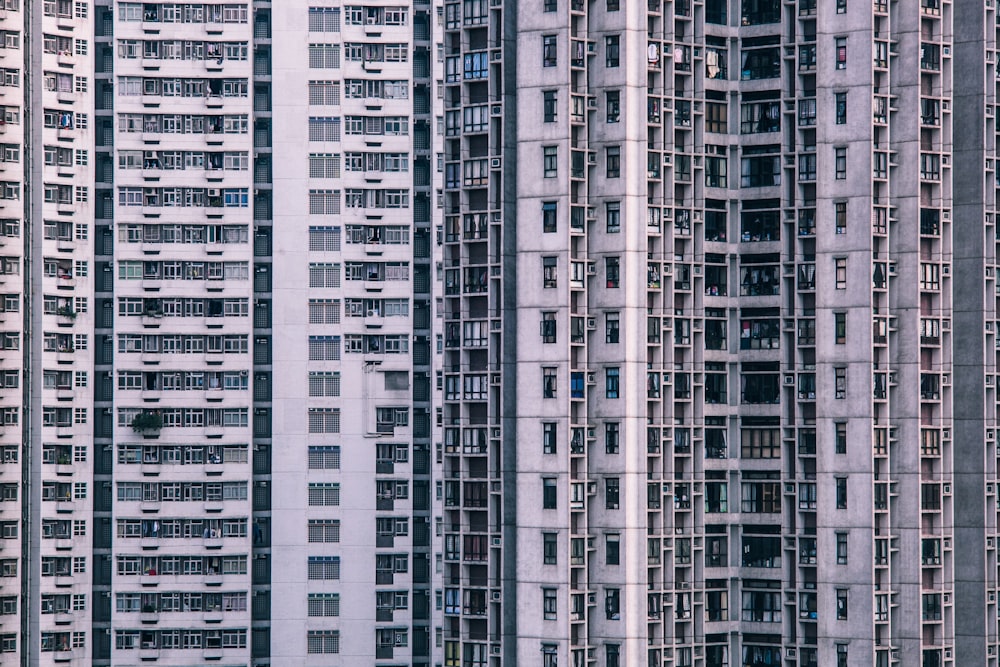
column 591, row 488
column 591, row 157
column 497, row 541
column 789, row 379
column 591, row 269
column 591, row 323
column 495, row 163
column 592, row 103
column 495, row 649
column 790, row 653
column 496, row 596
column 213, row 192
column 591, row 378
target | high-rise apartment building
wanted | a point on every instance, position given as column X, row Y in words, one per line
column 716, row 387
column 483, row 333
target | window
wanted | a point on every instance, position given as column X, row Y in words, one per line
column 840, row 272
column 549, row 106
column 807, row 111
column 840, row 163
column 760, row 63
column 715, row 11
column 613, row 216
column 758, row 12
column 759, row 117
column 841, row 604
column 840, row 103
column 761, row 604
column 716, row 171
column 841, row 548
column 549, row 438
column 549, row 209
column 323, row 531
column 840, row 438
column 324, row 19
column 614, row 161
column 840, row 382
column 612, row 383
column 549, row 265
column 549, row 604
column 612, row 271
column 613, row 105
column 840, row 328
column 549, row 493
column 612, row 493
column 612, row 437
column 612, row 549
column 550, row 161
column 612, row 51
column 612, row 604
column 611, row 328
column 760, row 496
column 548, row 383
column 841, row 45
column 716, row 117
column 840, row 216
column 760, row 549
column 842, row 648
column 548, row 327
column 549, row 57
column 716, row 497
column 841, row 493
column 760, row 166
column 322, row 641
column 549, row 548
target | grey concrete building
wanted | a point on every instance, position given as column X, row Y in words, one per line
column 719, row 294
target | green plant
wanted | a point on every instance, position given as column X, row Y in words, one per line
column 154, row 307
column 147, row 421
column 66, row 311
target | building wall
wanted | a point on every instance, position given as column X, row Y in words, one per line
column 183, row 264
column 353, row 220
column 790, row 271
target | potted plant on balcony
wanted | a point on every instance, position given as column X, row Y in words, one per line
column 147, row 422
column 66, row 311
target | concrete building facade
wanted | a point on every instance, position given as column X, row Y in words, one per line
column 702, row 258
column 482, row 333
